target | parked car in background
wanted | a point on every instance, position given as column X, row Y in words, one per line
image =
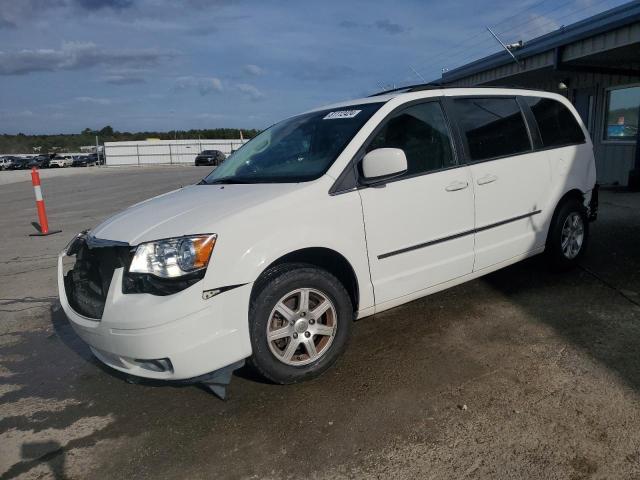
column 211, row 158
column 98, row 159
column 84, row 161
column 404, row 193
column 39, row 161
column 61, row 161
column 18, row 163
column 6, row 162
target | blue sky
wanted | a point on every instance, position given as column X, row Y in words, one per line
column 163, row 64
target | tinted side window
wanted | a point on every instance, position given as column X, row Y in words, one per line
column 493, row 127
column 421, row 132
column 556, row 123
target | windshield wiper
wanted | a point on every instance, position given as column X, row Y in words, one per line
column 227, row 181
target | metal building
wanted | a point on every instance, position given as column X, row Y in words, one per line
column 595, row 63
column 146, row 152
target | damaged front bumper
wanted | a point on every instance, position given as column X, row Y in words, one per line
column 175, row 337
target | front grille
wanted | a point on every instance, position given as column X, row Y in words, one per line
column 87, row 284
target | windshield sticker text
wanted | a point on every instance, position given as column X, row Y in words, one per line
column 341, row 114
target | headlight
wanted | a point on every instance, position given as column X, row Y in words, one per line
column 173, row 257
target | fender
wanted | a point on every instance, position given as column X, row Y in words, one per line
column 247, row 244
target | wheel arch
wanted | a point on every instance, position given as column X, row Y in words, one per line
column 325, row 258
column 572, row 194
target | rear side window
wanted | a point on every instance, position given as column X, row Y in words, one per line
column 556, row 123
column 493, row 127
column 421, row 132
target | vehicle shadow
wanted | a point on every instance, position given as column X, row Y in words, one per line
column 37, row 453
column 596, row 307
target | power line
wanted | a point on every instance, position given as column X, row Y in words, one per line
column 456, row 47
column 523, row 11
column 552, row 20
column 482, row 46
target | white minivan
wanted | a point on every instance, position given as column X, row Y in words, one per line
column 327, row 217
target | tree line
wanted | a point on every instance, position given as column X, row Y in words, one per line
column 72, row 142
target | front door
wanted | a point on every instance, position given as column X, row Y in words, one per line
column 511, row 181
column 584, row 101
column 419, row 228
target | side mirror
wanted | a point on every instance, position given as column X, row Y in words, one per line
column 383, row 164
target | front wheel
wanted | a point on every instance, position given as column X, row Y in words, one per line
column 568, row 235
column 300, row 321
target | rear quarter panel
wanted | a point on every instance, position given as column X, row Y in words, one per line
column 572, row 167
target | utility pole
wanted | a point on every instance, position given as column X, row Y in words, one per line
column 98, row 149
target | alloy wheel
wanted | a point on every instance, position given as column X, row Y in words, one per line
column 302, row 326
column 572, row 236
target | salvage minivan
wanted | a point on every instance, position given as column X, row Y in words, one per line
column 328, row 217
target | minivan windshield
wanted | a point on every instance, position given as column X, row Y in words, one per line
column 298, row 149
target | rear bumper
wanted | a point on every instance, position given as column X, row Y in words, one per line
column 196, row 336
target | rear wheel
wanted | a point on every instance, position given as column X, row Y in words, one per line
column 568, row 235
column 300, row 321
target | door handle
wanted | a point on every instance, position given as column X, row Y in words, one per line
column 487, row 179
column 455, row 186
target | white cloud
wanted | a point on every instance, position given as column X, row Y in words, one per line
column 254, row 70
column 250, row 91
column 215, row 84
column 75, row 56
column 94, row 100
column 204, row 85
column 124, row 79
column 535, row 26
column 539, row 25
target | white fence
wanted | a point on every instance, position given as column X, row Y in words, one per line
column 150, row 152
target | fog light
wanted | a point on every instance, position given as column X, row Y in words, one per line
column 157, row 365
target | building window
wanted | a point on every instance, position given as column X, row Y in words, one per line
column 623, row 105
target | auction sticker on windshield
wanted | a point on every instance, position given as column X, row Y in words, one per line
column 341, row 114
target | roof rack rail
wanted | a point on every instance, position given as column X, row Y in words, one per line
column 409, row 88
column 439, row 86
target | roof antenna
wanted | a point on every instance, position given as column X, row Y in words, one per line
column 417, row 74
column 388, row 86
column 503, row 46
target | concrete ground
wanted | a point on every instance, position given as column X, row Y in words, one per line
column 520, row 374
column 15, row 176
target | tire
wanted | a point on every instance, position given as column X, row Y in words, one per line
column 565, row 244
column 283, row 361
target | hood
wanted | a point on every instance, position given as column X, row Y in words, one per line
column 187, row 211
